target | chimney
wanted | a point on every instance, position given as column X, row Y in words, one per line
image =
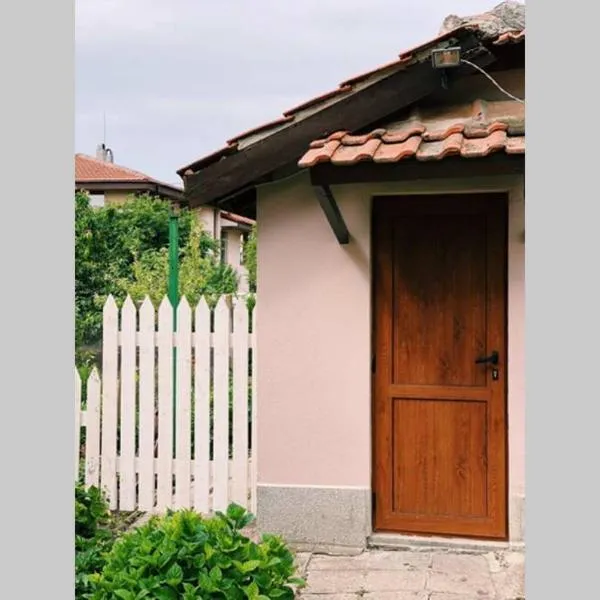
column 104, row 154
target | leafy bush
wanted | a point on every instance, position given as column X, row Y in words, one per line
column 184, row 556
column 93, row 536
column 121, row 249
column 200, row 272
column 250, row 258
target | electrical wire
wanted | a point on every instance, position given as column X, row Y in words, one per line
column 478, row 68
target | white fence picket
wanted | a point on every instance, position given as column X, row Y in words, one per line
column 127, row 405
column 239, row 492
column 110, row 353
column 92, row 430
column 165, row 406
column 253, row 454
column 183, row 435
column 202, row 407
column 203, row 482
column 147, row 414
column 77, row 422
column 221, row 406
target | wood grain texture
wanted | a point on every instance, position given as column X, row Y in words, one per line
column 439, row 418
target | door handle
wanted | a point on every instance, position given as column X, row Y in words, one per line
column 493, row 359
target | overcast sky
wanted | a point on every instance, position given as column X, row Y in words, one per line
column 177, row 78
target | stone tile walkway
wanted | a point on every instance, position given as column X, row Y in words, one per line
column 413, row 575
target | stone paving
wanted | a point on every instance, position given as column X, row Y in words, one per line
column 413, row 575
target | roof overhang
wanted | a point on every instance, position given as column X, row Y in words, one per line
column 413, row 170
column 229, row 177
column 324, row 176
column 409, row 80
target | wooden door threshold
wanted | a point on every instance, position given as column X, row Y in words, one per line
column 396, row 541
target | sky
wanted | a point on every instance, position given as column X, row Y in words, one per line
column 174, row 79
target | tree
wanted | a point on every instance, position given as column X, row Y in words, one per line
column 200, row 271
column 124, row 249
column 250, row 258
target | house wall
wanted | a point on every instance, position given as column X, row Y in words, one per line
column 314, row 347
column 116, row 198
column 233, row 255
column 206, row 216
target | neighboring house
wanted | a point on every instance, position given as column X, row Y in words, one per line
column 108, row 183
column 391, row 298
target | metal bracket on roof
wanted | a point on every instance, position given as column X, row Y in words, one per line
column 332, row 212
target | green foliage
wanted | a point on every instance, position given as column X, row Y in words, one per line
column 200, row 272
column 250, row 258
column 93, row 536
column 107, row 242
column 184, row 556
column 124, row 249
column 91, row 511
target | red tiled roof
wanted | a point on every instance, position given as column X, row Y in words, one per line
column 469, row 130
column 298, row 113
column 92, row 170
column 89, row 169
column 237, row 218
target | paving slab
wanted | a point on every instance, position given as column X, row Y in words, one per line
column 330, row 596
column 374, row 560
column 369, row 596
column 335, row 582
column 463, row 574
column 396, row 596
column 395, row 581
column 508, row 575
column 302, row 559
column 414, row 575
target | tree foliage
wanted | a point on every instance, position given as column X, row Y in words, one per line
column 200, row 271
column 123, row 249
column 250, row 258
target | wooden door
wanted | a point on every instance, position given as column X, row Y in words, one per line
column 439, row 416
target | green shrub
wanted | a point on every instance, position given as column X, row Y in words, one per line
column 185, row 556
column 93, row 536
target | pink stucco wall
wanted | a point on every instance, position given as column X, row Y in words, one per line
column 314, row 334
column 313, row 325
column 516, row 341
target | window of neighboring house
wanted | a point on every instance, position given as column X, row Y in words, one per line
column 97, row 200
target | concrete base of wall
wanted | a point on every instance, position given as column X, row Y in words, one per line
column 338, row 520
column 316, row 518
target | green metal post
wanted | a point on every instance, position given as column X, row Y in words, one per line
column 173, row 294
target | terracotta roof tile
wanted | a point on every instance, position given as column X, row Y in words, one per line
column 350, row 154
column 470, row 130
column 271, row 124
column 396, row 63
column 515, row 145
column 343, row 89
column 89, row 169
column 510, row 37
column 396, row 151
column 404, row 60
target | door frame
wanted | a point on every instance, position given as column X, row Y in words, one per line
column 513, row 187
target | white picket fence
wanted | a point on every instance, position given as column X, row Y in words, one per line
column 130, row 419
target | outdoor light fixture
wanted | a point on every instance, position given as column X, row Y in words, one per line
column 445, row 58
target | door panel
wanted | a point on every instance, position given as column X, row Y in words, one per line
column 439, row 416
